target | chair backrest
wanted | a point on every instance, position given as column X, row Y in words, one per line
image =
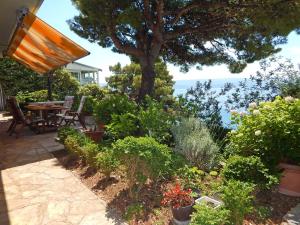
column 15, row 109
column 82, row 101
column 68, row 103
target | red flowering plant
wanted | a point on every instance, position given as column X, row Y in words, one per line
column 177, row 197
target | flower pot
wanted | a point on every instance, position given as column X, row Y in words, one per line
column 183, row 213
column 290, row 180
column 210, row 201
column 101, row 126
column 96, row 136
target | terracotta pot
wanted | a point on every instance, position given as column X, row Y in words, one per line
column 101, row 126
column 290, row 180
column 96, row 136
column 183, row 213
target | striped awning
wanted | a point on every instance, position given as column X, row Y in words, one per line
column 40, row 47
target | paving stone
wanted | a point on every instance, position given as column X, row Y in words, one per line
column 36, row 190
column 293, row 216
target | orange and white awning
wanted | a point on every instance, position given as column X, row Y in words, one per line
column 40, row 47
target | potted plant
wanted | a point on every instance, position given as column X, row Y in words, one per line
column 95, row 134
column 181, row 203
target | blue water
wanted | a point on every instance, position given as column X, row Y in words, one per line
column 181, row 87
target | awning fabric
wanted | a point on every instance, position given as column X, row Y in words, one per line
column 40, row 47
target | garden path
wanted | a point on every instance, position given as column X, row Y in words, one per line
column 36, row 190
column 293, row 216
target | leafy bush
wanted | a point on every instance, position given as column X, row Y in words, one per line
column 35, row 96
column 122, row 125
column 94, row 93
column 270, row 131
column 75, row 142
column 248, row 169
column 93, row 90
column 193, row 140
column 113, row 104
column 15, row 77
column 155, row 121
column 134, row 211
column 206, row 215
column 142, row 158
column 64, row 84
column 64, row 132
column 191, row 176
column 89, row 151
column 72, row 145
column 106, row 162
column 238, row 199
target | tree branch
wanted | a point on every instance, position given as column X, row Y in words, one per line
column 216, row 23
column 192, row 6
column 119, row 45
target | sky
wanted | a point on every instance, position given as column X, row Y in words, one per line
column 57, row 12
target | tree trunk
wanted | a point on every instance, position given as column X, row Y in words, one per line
column 147, row 83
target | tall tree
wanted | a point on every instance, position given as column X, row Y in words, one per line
column 127, row 80
column 187, row 32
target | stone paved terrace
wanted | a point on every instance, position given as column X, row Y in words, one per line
column 36, row 190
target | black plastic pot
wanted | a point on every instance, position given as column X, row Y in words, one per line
column 183, row 213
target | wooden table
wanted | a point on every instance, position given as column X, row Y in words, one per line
column 44, row 110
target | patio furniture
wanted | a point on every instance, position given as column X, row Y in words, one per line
column 72, row 117
column 19, row 118
column 67, row 105
column 47, row 102
column 44, row 112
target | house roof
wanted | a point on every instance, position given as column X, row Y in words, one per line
column 75, row 66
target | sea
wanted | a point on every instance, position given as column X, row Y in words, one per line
column 181, row 87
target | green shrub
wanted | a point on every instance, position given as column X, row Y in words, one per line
column 92, row 90
column 155, row 121
column 178, row 161
column 134, row 211
column 113, row 104
column 238, row 199
column 64, row 132
column 270, row 131
column 89, row 151
column 35, row 96
column 94, row 93
column 75, row 142
column 191, row 177
column 206, row 215
column 122, row 126
column 248, row 169
column 213, row 173
column 64, row 84
column 142, row 158
column 72, row 145
column 193, row 140
column 106, row 162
